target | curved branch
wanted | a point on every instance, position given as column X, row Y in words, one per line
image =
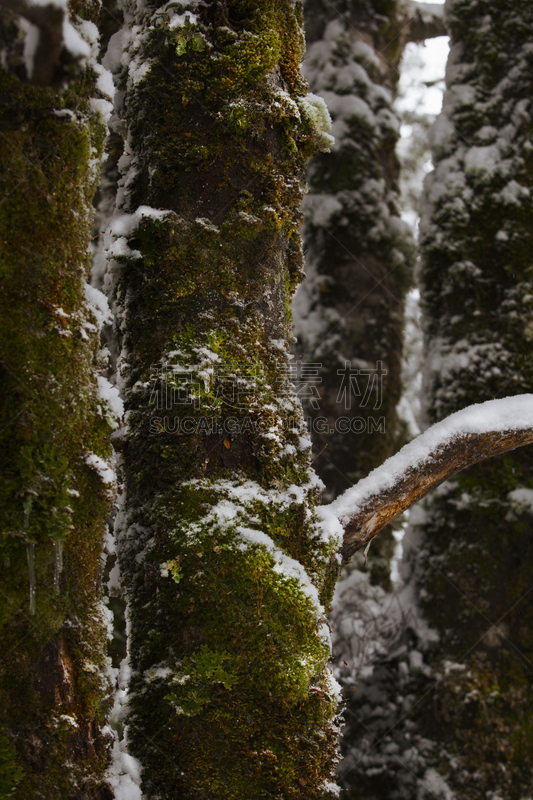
column 426, row 22
column 49, row 20
column 461, row 440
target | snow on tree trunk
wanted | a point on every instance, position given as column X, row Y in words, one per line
column 359, row 253
column 225, row 570
column 55, row 417
column 454, row 690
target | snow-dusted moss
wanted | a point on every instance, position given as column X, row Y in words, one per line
column 53, row 431
column 226, row 572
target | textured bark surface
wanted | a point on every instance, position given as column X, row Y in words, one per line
column 52, row 694
column 426, row 21
column 222, row 561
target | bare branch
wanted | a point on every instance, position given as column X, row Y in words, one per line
column 49, row 19
column 426, row 22
column 461, row 440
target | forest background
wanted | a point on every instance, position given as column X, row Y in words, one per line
column 221, row 548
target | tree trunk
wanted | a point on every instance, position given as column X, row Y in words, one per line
column 54, row 425
column 474, row 576
column 349, row 312
column 222, row 562
column 359, row 253
column 455, row 690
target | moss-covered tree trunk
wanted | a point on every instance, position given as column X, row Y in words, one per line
column 454, row 695
column 223, row 565
column 54, row 423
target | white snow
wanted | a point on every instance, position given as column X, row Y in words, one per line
column 105, row 473
column 180, row 20
column 98, row 305
column 328, row 786
column 113, row 583
column 285, row 565
column 480, row 160
column 90, row 33
column 124, row 774
column 158, row 672
column 522, row 498
column 104, row 82
column 74, row 42
column 433, row 786
column 125, row 224
column 115, row 50
column 102, row 107
column 315, row 109
column 121, row 248
column 506, row 414
column 31, row 42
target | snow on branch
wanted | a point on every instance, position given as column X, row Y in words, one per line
column 459, row 441
column 426, row 21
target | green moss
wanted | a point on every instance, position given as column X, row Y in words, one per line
column 49, row 419
column 228, row 568
column 11, row 773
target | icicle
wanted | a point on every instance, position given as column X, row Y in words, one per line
column 367, row 548
column 58, row 564
column 30, row 552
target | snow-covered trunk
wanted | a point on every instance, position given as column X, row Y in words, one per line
column 55, row 423
column 449, row 717
column 222, row 562
column 359, row 253
column 473, row 563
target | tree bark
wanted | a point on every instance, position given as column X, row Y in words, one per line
column 49, row 22
column 424, row 464
column 476, row 240
column 364, row 516
column 53, row 432
column 222, row 562
column 426, row 21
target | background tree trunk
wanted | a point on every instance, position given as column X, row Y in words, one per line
column 473, row 571
column 54, row 424
column 455, row 688
column 359, row 253
column 223, row 565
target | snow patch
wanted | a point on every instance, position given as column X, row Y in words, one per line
column 315, row 110
column 105, row 473
column 111, row 396
column 98, row 304
column 285, row 565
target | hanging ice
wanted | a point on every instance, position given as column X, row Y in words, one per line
column 58, row 564
column 30, row 552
